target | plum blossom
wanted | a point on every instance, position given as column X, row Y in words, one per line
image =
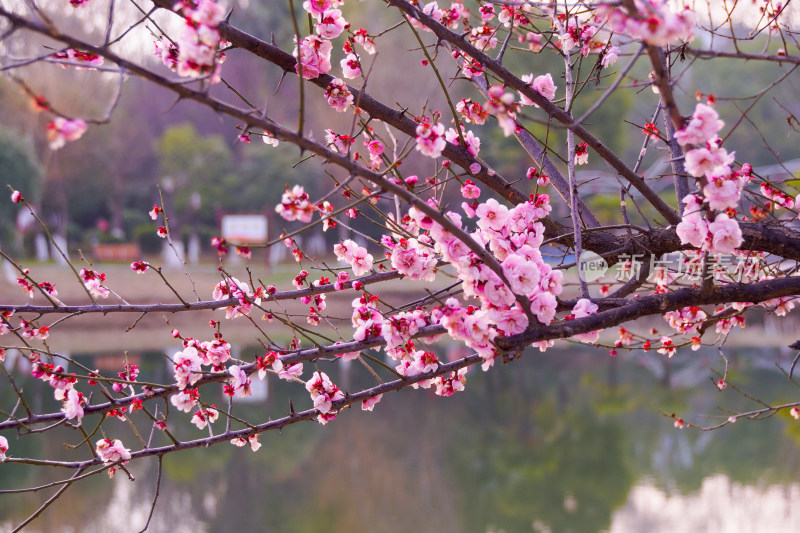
column 295, row 205
column 702, row 127
column 316, row 8
column 581, row 154
column 60, row 130
column 93, row 281
column 233, row 288
column 711, row 161
column 415, row 261
column 430, row 139
column 3, row 448
column 202, row 417
column 522, row 274
column 610, row 56
column 471, row 111
column 199, row 41
column 323, row 392
column 351, row 67
column 473, row 142
column 504, row 107
column 369, row 403
column 112, row 451
column 331, row 24
column 447, row 386
column 77, row 56
column 338, row 95
column 541, row 84
column 582, row 309
column 355, row 255
column 722, row 193
column 185, row 400
column 168, row 52
column 314, row 57
column 361, row 37
column 240, row 382
column 187, row 365
column 492, row 214
column 73, row 405
column 726, row 235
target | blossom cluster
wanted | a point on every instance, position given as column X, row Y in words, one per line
column 721, row 187
column 197, row 52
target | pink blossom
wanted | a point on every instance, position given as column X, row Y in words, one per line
column 317, row 7
column 60, row 130
column 287, row 372
column 314, row 56
column 522, row 275
column 323, row 392
column 3, row 448
column 471, row 111
column 414, row 260
column 708, row 161
column 667, row 347
column 351, row 68
column 584, row 308
column 140, row 267
column 112, row 451
column 369, row 403
column 610, row 56
column 702, row 127
column 188, row 366
column 239, row 380
column 492, row 214
column 692, row 230
column 483, row 37
column 184, row 400
column 168, row 52
column 361, row 37
column 215, row 352
column 543, row 305
column 473, row 142
column 430, row 139
column 447, row 386
column 338, row 95
column 72, row 55
column 202, row 417
column 73, row 407
column 295, row 205
column 722, row 193
column 331, row 24
column 541, row 84
column 581, row 154
column 726, row 235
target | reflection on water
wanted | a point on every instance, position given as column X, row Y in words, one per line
column 566, row 441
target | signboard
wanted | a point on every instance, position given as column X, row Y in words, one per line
column 244, row 229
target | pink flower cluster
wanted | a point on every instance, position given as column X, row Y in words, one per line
column 295, row 205
column 354, row 255
column 60, row 130
column 722, row 191
column 323, row 393
column 93, row 281
column 87, row 60
column 314, row 57
column 654, row 22
column 338, row 95
column 233, row 288
column 430, row 138
column 199, row 42
column 112, row 451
